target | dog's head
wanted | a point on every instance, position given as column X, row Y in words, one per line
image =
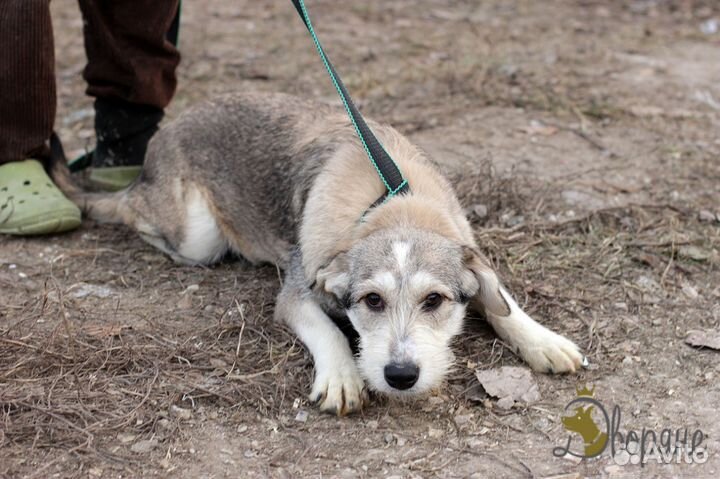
column 405, row 292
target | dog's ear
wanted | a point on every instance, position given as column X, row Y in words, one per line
column 335, row 277
column 488, row 293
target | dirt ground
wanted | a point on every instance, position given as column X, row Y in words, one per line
column 587, row 129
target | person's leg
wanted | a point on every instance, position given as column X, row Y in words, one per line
column 131, row 73
column 27, row 79
column 29, row 202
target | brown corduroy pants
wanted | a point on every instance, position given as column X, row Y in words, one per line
column 129, row 58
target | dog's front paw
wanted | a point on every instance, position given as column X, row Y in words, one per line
column 548, row 352
column 339, row 389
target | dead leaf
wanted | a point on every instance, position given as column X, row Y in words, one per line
column 704, row 339
column 509, row 384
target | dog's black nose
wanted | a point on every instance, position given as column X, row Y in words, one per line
column 401, row 376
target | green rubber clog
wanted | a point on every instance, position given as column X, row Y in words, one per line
column 30, row 204
column 113, row 178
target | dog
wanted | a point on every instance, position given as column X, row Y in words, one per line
column 281, row 180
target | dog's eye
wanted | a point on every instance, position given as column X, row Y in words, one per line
column 374, row 302
column 432, row 302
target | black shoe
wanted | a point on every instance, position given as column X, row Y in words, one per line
column 123, row 131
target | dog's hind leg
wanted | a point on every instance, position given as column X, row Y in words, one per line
column 338, row 387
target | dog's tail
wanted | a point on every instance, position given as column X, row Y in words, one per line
column 102, row 207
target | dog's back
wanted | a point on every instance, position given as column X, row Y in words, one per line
column 235, row 174
column 229, row 174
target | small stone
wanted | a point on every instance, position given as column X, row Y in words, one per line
column 506, row 403
column 647, row 283
column 475, row 443
column 621, row 305
column 126, row 438
column 508, row 69
column 185, row 302
column 515, row 220
column 401, row 441
column 242, row 428
column 95, row 472
column 218, row 363
column 571, row 458
column 461, row 419
column 302, row 416
column 693, row 252
column 389, row 438
column 627, row 361
column 574, row 197
column 181, row 413
column 690, row 291
column 144, row 446
column 710, row 27
column 435, row 433
column 656, row 322
column 372, row 424
column 706, row 216
column 481, row 211
column 613, row 470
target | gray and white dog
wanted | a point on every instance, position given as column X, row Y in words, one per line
column 285, row 181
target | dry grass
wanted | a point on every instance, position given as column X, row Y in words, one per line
column 71, row 384
column 75, row 384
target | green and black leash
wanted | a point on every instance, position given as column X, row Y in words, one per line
column 386, row 168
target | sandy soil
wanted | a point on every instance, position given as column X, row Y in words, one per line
column 588, row 129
